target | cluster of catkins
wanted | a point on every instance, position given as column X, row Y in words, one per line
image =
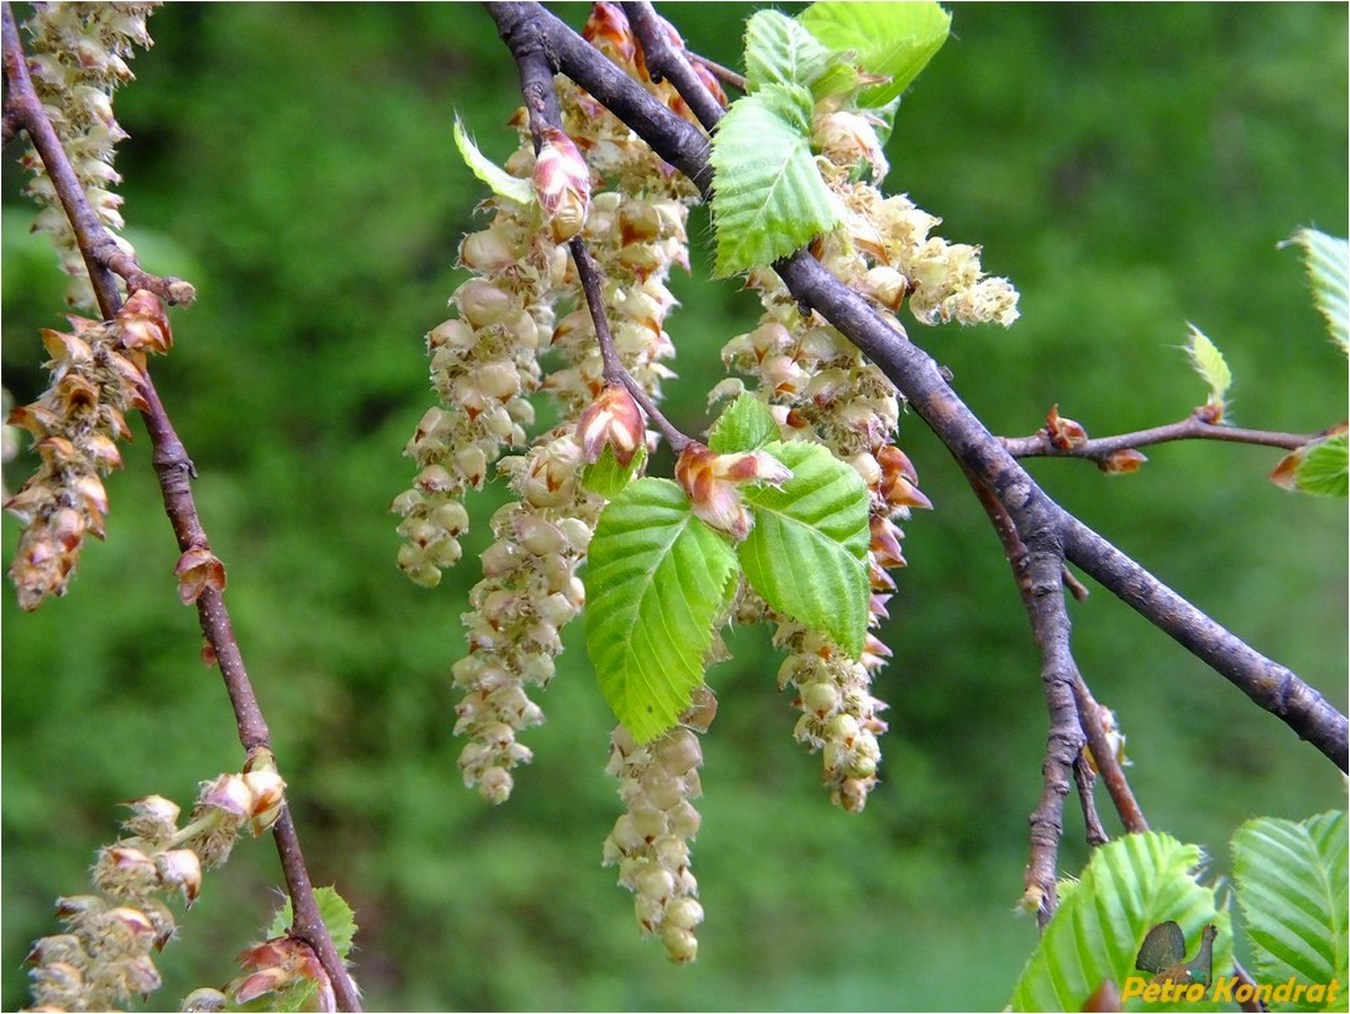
column 77, row 58
column 103, row 958
column 820, row 387
column 523, row 303
column 96, row 369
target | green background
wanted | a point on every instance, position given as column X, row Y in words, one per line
column 1130, row 168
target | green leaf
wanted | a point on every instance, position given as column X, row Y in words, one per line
column 1328, row 262
column 1291, row 886
column 1131, row 885
column 607, row 477
column 1208, row 361
column 502, row 183
column 896, row 40
column 337, row 915
column 1324, row 469
column 778, row 50
column 806, row 552
column 657, row 580
column 769, row 198
column 745, row 425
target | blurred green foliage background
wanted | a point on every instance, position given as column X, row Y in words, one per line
column 1129, row 167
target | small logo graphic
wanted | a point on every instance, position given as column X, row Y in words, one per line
column 1164, row 954
column 1177, row 981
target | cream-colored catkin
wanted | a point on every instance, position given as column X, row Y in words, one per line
column 649, row 842
column 103, row 957
column 78, row 55
column 530, row 589
column 820, row 387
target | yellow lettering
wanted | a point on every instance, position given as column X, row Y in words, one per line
column 1134, row 986
column 1195, row 992
column 1151, row 993
column 1223, row 988
column 1332, row 989
column 1283, row 992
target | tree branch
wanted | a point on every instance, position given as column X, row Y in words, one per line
column 1194, row 427
column 23, row 109
column 174, row 469
column 665, row 62
column 527, row 27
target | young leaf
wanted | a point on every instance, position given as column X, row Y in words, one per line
column 1324, row 469
column 778, row 50
column 1210, row 364
column 769, row 198
column 657, row 580
column 1328, row 262
column 896, row 40
column 337, row 915
column 502, row 183
column 1131, row 885
column 806, row 552
column 745, row 425
column 1326, row 475
column 607, row 477
column 1291, row 885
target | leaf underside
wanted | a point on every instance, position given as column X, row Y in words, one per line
column 657, row 580
column 502, row 183
column 1291, row 885
column 1209, row 363
column 1328, row 262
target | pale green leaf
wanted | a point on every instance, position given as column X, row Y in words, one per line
column 1291, row 886
column 1324, row 469
column 607, row 477
column 337, row 916
column 1131, row 885
column 1210, row 364
column 1328, row 261
column 769, row 198
column 894, row 39
column 780, row 51
column 806, row 553
column 656, row 581
column 502, row 183
column 745, row 425
column 340, row 921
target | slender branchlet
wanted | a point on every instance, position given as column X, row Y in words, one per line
column 199, row 572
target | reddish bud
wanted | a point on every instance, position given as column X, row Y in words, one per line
column 145, row 328
column 198, row 569
column 710, row 481
column 612, row 420
column 607, row 29
column 1065, row 434
column 562, row 182
column 1121, row 462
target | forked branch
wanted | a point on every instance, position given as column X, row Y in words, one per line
column 1043, row 524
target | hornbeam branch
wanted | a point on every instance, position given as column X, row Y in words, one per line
column 174, row 469
column 527, row 26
